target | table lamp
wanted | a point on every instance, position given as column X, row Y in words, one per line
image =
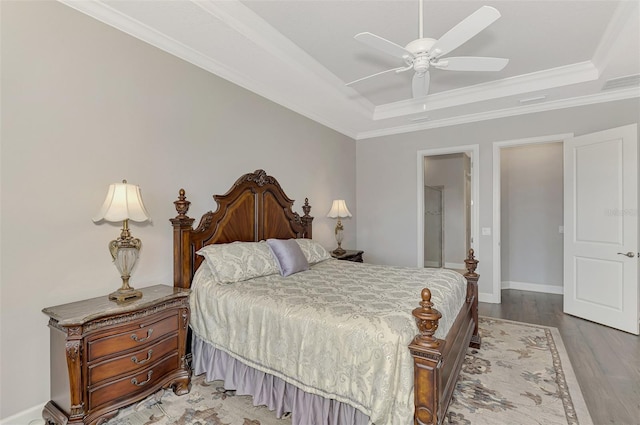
column 339, row 210
column 124, row 203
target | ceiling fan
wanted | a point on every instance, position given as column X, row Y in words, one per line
column 423, row 53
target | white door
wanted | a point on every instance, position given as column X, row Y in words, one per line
column 601, row 227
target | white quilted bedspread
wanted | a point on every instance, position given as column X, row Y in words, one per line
column 339, row 330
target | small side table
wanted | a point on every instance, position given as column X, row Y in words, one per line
column 107, row 355
column 349, row 255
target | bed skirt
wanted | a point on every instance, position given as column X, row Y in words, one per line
column 271, row 391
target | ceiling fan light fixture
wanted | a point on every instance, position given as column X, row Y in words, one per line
column 421, row 64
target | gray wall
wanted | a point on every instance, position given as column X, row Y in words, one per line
column 531, row 213
column 387, row 176
column 83, row 106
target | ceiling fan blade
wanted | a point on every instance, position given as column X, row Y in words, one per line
column 465, row 30
column 420, row 84
column 383, row 45
column 402, row 68
column 471, row 63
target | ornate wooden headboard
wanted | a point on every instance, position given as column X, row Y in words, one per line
column 254, row 209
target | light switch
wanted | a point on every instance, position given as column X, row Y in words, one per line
column 560, row 229
column 486, row 231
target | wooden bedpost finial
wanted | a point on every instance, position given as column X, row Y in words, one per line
column 427, row 320
column 306, row 208
column 471, row 264
column 306, row 219
column 182, row 205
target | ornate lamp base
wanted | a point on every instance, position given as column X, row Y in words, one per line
column 122, row 295
column 339, row 251
column 124, row 251
column 338, row 231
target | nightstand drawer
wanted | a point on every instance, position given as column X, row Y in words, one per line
column 130, row 385
column 140, row 333
column 133, row 361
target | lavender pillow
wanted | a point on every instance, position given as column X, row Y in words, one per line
column 288, row 256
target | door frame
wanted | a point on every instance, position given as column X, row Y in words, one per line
column 497, row 254
column 474, row 153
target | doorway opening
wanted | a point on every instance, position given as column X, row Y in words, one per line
column 528, row 215
column 447, row 206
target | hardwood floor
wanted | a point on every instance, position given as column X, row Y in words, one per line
column 606, row 361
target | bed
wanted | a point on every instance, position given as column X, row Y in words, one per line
column 402, row 368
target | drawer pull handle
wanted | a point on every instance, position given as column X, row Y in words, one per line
column 136, row 361
column 134, row 381
column 135, row 336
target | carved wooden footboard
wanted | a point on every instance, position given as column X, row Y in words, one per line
column 256, row 208
column 437, row 362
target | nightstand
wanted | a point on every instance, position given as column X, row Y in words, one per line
column 349, row 255
column 107, row 355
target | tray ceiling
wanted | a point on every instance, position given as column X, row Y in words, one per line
column 301, row 53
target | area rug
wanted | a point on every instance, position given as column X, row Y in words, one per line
column 521, row 375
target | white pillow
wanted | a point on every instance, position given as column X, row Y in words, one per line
column 238, row 261
column 313, row 251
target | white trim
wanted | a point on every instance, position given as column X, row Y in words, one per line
column 243, row 20
column 601, row 97
column 103, row 12
column 474, row 152
column 349, row 112
column 497, row 146
column 32, row 416
column 527, row 83
column 533, row 287
column 623, row 12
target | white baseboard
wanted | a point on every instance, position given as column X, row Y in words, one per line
column 485, row 297
column 31, row 416
column 455, row 266
column 533, row 287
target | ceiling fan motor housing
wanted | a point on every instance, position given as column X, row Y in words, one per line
column 420, row 49
column 420, row 46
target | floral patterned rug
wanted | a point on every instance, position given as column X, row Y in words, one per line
column 521, row 375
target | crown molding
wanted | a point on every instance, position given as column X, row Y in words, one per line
column 603, row 97
column 246, row 22
column 542, row 80
column 620, row 18
column 304, row 86
column 114, row 18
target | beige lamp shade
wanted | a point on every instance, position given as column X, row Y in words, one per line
column 339, row 209
column 123, row 202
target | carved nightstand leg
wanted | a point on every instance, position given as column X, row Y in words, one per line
column 182, row 386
